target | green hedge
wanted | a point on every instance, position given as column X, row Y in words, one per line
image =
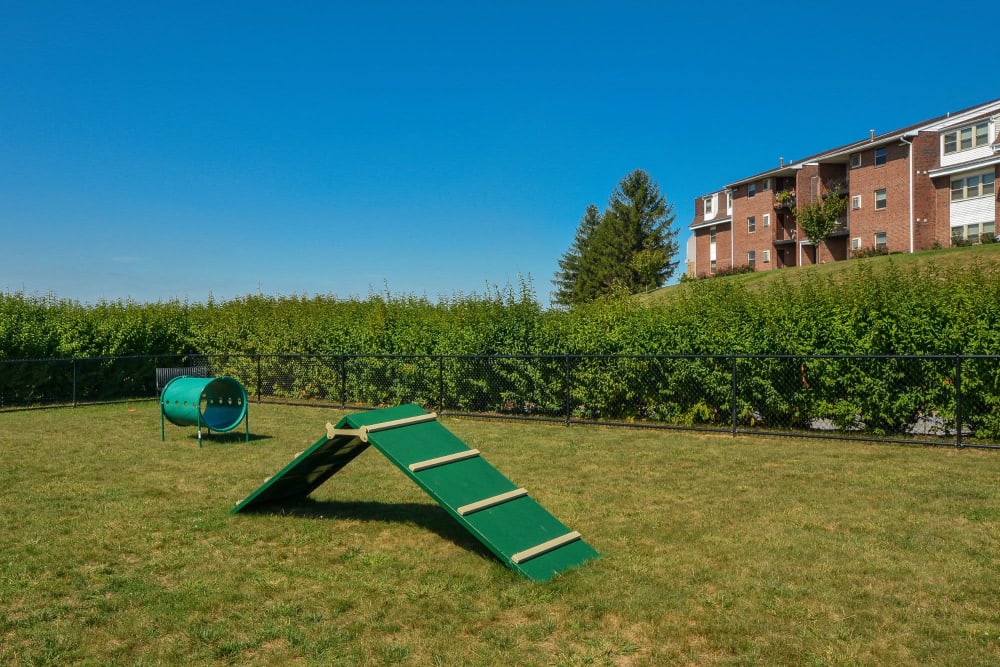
column 857, row 311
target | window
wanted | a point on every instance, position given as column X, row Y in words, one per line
column 967, row 138
column 752, row 258
column 751, row 224
column 765, row 221
column 880, row 241
column 766, row 256
column 855, row 160
column 712, row 266
column 972, row 232
column 856, row 202
column 711, row 235
column 977, row 185
column 856, row 243
column 880, row 156
column 709, row 206
column 880, row 200
column 729, row 201
column 751, row 189
column 766, row 185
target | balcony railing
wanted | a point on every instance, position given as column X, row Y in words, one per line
column 783, row 234
column 784, row 201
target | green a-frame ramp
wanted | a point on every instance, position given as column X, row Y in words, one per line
column 519, row 531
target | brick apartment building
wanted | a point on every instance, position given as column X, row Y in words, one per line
column 917, row 188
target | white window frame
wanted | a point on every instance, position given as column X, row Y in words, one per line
column 765, row 257
column 751, row 189
column 856, row 243
column 712, row 234
column 883, row 154
column 766, row 185
column 709, row 207
column 855, row 160
column 713, row 266
column 966, row 233
column 884, row 244
column 765, row 220
column 884, row 200
column 752, row 224
column 985, row 186
column 976, row 138
column 856, row 203
column 752, row 259
column 729, row 202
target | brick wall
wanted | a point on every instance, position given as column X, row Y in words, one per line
column 930, row 199
column 893, row 177
column 702, row 239
column 759, row 240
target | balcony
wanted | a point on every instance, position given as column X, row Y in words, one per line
column 784, row 200
column 840, row 229
column 784, row 234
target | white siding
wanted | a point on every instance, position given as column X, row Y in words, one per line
column 980, row 209
column 713, row 203
column 978, row 153
column 966, row 156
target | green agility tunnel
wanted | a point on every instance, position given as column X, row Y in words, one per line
column 218, row 404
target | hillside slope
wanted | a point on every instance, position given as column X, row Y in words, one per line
column 946, row 258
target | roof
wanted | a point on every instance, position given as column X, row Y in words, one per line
column 934, row 124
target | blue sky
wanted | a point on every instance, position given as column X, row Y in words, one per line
column 171, row 150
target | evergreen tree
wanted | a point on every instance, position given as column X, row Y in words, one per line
column 647, row 241
column 567, row 278
column 630, row 247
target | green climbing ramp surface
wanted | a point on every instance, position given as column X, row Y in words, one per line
column 501, row 515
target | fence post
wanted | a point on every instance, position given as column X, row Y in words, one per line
column 568, row 398
column 958, row 401
column 258, row 379
column 733, row 400
column 441, row 383
column 343, row 381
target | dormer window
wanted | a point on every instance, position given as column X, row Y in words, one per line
column 967, row 138
column 711, row 205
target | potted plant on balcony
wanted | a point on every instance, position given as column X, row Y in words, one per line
column 785, row 198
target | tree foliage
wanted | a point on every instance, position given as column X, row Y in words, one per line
column 818, row 219
column 629, row 248
column 568, row 278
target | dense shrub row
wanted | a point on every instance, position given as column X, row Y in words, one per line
column 859, row 311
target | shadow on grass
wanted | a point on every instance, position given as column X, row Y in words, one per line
column 230, row 438
column 424, row 515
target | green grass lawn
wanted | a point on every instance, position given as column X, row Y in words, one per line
column 987, row 254
column 118, row 549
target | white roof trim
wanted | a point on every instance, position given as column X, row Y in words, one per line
column 961, row 168
column 962, row 119
column 711, row 223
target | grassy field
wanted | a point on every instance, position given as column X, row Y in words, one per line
column 118, row 549
column 946, row 257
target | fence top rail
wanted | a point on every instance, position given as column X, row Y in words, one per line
column 579, row 355
column 123, row 357
column 573, row 355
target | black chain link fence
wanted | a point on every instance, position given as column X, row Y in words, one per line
column 940, row 400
